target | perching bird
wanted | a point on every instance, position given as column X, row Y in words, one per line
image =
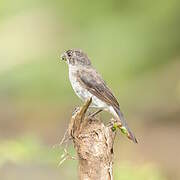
column 87, row 83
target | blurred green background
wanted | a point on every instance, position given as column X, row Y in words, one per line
column 135, row 44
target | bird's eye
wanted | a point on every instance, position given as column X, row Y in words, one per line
column 69, row 53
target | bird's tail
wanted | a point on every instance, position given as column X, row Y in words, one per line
column 124, row 127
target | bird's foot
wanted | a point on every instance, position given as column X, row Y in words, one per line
column 75, row 110
column 95, row 113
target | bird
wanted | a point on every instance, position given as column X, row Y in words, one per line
column 87, row 83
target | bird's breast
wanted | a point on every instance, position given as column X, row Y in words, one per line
column 82, row 92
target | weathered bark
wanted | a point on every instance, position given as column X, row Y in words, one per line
column 93, row 142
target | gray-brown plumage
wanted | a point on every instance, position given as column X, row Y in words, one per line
column 92, row 81
column 87, row 83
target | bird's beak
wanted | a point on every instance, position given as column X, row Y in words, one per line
column 63, row 57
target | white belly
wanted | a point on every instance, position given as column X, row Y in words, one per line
column 84, row 94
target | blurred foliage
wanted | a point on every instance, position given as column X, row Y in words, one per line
column 129, row 37
column 29, row 150
column 25, row 150
column 145, row 172
column 134, row 44
column 125, row 39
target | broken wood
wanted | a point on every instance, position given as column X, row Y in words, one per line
column 93, row 142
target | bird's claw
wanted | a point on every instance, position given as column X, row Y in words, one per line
column 75, row 110
column 91, row 115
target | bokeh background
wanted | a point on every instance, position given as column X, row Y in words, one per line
column 135, row 44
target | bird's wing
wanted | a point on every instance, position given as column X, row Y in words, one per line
column 93, row 82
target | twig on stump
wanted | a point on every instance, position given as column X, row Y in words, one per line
column 93, row 142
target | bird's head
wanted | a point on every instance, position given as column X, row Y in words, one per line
column 75, row 57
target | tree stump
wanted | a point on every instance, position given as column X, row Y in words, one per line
column 93, row 142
